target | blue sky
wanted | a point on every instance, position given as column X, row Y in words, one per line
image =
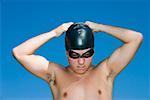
column 23, row 19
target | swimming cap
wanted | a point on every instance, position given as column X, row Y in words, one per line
column 78, row 37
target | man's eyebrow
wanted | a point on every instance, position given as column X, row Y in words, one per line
column 87, row 51
column 83, row 53
column 74, row 52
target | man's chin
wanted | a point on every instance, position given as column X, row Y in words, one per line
column 81, row 71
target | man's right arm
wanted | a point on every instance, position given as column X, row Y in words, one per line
column 36, row 64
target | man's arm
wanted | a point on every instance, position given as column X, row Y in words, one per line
column 36, row 64
column 123, row 55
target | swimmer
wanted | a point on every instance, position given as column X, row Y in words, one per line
column 80, row 80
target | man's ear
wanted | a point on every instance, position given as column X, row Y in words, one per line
column 67, row 53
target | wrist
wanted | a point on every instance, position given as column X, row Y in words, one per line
column 98, row 27
column 53, row 33
column 58, row 31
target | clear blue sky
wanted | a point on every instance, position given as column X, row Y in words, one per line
column 23, row 19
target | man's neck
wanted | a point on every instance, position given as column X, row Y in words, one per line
column 78, row 75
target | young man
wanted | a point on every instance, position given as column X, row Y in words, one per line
column 80, row 80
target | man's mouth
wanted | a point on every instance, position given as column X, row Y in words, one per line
column 81, row 68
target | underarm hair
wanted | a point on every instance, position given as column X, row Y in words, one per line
column 51, row 74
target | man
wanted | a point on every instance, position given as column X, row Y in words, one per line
column 80, row 80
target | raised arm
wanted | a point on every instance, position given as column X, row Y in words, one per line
column 36, row 64
column 124, row 54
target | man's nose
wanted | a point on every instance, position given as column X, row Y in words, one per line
column 81, row 61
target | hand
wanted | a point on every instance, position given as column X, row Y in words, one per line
column 62, row 28
column 93, row 26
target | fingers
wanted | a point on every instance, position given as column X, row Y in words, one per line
column 88, row 22
column 62, row 28
column 70, row 23
column 67, row 25
column 92, row 25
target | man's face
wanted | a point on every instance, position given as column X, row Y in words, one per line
column 81, row 64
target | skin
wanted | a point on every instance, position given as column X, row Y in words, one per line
column 81, row 65
column 80, row 80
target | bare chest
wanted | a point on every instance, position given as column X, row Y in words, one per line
column 91, row 87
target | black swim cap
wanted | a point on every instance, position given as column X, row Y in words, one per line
column 78, row 37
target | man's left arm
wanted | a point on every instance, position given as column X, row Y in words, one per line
column 124, row 54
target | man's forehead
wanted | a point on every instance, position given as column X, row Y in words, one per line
column 81, row 51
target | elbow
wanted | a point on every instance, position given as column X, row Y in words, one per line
column 135, row 36
column 15, row 53
column 139, row 37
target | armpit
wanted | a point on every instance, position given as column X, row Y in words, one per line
column 50, row 75
column 53, row 79
column 111, row 74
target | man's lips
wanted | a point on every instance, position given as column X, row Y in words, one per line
column 81, row 67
